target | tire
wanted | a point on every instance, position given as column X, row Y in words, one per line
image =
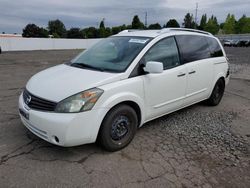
column 118, row 128
column 217, row 93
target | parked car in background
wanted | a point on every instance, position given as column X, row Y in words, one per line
column 242, row 43
column 110, row 90
column 236, row 43
column 247, row 43
column 228, row 43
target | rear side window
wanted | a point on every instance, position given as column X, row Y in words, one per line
column 193, row 47
column 215, row 49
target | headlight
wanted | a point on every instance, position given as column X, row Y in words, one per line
column 80, row 102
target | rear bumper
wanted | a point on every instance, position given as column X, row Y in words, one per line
column 64, row 129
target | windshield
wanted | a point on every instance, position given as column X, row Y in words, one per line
column 112, row 54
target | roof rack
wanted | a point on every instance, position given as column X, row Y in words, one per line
column 184, row 29
column 130, row 30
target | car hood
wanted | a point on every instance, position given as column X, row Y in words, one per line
column 62, row 81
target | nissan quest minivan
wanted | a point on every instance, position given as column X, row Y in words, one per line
column 122, row 82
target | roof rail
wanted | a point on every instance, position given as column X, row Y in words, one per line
column 129, row 30
column 184, row 29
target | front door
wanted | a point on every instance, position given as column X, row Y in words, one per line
column 164, row 92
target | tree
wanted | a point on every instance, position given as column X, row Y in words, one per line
column 90, row 32
column 172, row 23
column 118, row 29
column 32, row 30
column 136, row 23
column 203, row 22
column 243, row 25
column 212, row 25
column 108, row 31
column 246, row 26
column 44, row 33
column 154, row 26
column 222, row 25
column 74, row 33
column 102, row 24
column 101, row 31
column 229, row 25
column 56, row 27
column 189, row 21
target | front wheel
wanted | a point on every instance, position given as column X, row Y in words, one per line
column 118, row 128
column 217, row 93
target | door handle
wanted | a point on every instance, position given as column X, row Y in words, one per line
column 192, row 72
column 181, row 74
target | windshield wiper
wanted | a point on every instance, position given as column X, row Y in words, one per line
column 82, row 65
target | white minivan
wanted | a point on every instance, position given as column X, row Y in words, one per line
column 114, row 87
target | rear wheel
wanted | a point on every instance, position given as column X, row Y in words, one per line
column 118, row 128
column 217, row 93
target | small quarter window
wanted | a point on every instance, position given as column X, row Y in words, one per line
column 215, row 49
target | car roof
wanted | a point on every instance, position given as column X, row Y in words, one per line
column 156, row 33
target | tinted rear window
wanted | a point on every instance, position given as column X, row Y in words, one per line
column 193, row 47
column 214, row 47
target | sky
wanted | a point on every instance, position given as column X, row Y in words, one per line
column 16, row 14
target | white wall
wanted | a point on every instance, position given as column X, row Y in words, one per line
column 24, row 44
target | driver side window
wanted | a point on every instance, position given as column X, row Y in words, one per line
column 164, row 51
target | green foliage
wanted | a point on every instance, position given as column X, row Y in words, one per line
column 58, row 30
column 154, row 26
column 55, row 35
column 32, row 30
column 57, row 27
column 102, row 24
column 172, row 23
column 101, row 31
column 246, row 26
column 212, row 25
column 189, row 21
column 90, row 32
column 74, row 33
column 118, row 29
column 108, row 32
column 203, row 22
column 229, row 25
column 136, row 23
column 243, row 25
column 222, row 25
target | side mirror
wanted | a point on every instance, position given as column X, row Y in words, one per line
column 153, row 67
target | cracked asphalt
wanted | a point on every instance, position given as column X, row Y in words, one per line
column 198, row 146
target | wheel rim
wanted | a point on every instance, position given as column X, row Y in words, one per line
column 120, row 128
column 218, row 91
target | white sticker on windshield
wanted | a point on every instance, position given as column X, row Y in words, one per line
column 140, row 41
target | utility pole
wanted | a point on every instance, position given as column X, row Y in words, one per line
column 146, row 19
column 196, row 12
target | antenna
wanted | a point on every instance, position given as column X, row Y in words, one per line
column 196, row 12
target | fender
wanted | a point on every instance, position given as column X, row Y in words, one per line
column 218, row 76
column 123, row 97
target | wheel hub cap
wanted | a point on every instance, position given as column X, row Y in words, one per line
column 119, row 128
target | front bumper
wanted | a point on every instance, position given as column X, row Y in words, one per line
column 64, row 129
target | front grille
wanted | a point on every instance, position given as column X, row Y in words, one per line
column 37, row 103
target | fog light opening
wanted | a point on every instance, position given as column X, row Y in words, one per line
column 56, row 139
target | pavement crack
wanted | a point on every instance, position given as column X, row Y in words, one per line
column 85, row 158
column 80, row 161
column 9, row 156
